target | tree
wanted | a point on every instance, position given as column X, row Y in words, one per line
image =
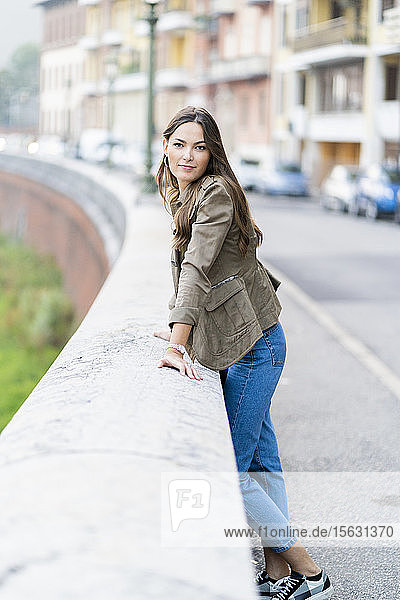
column 19, row 86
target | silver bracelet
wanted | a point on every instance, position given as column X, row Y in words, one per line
column 179, row 347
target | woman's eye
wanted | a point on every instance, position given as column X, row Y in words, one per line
column 177, row 144
column 201, row 147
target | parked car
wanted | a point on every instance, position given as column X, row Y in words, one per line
column 338, row 190
column 377, row 192
column 397, row 212
column 89, row 142
column 51, row 145
column 247, row 172
column 286, row 179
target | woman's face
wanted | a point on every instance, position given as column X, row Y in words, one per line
column 187, row 153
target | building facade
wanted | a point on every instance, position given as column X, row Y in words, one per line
column 61, row 68
column 336, row 83
column 313, row 81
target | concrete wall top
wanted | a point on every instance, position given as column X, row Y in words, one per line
column 87, row 460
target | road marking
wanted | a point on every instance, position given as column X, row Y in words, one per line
column 370, row 360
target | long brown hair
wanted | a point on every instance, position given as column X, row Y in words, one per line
column 217, row 165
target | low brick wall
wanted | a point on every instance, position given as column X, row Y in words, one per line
column 53, row 209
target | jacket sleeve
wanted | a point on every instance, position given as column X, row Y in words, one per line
column 214, row 218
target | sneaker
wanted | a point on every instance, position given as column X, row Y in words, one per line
column 299, row 587
column 265, row 586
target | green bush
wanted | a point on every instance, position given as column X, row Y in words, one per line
column 36, row 320
column 48, row 317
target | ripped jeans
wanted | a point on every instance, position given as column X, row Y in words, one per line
column 248, row 387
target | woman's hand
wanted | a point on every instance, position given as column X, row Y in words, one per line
column 173, row 358
column 164, row 334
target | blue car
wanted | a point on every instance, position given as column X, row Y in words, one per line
column 377, row 192
column 287, row 179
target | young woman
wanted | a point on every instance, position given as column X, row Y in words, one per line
column 224, row 312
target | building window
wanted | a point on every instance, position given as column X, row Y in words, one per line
column 244, row 111
column 262, row 108
column 391, row 82
column 341, row 87
column 280, row 94
column 283, row 26
column 302, row 14
column 229, row 43
column 247, row 38
column 51, row 31
column 265, row 35
column 337, row 9
column 385, row 5
column 301, row 99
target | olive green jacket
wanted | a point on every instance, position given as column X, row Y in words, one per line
column 229, row 299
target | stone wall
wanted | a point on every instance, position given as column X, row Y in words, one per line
column 87, row 462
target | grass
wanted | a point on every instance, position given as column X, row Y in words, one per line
column 36, row 320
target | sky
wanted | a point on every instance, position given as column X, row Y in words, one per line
column 19, row 23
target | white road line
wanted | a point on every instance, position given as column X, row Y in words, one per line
column 370, row 360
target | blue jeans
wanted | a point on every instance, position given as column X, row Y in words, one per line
column 248, row 387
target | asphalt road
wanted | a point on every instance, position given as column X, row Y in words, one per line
column 336, row 422
column 349, row 264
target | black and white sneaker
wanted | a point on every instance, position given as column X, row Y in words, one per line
column 267, row 587
column 299, row 587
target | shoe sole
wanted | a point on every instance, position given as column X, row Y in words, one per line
column 322, row 595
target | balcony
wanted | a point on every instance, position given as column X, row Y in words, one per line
column 112, row 37
column 131, row 82
column 328, row 33
column 388, row 120
column 90, row 88
column 339, row 127
column 141, row 28
column 222, row 7
column 391, row 23
column 88, row 2
column 258, row 2
column 89, row 42
column 174, row 77
column 237, row 69
column 175, row 20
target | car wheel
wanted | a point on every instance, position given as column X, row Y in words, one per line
column 353, row 208
column 323, row 201
column 371, row 212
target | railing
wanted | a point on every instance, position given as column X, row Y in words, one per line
column 222, row 7
column 334, row 31
column 243, row 67
column 85, row 460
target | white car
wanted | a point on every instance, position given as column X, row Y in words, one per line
column 338, row 190
column 89, row 142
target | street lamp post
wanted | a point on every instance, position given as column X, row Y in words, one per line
column 67, row 131
column 111, row 68
column 149, row 185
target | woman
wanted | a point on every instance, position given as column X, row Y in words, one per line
column 225, row 313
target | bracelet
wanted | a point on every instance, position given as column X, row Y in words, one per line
column 179, row 347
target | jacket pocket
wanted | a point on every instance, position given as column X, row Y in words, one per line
column 228, row 309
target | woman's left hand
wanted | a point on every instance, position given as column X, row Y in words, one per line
column 174, row 359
